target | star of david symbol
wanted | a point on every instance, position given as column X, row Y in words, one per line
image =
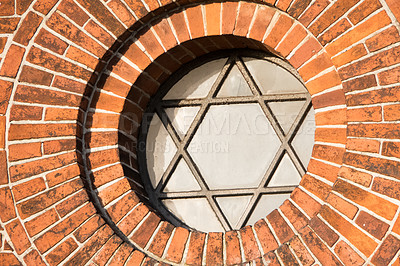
column 221, row 194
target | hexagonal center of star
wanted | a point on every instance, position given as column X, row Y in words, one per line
column 233, row 146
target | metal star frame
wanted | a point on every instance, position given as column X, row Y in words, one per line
column 157, row 105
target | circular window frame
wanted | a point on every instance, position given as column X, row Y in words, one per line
column 152, row 107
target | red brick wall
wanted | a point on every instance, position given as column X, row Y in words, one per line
column 76, row 75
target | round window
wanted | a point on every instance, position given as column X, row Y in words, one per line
column 226, row 140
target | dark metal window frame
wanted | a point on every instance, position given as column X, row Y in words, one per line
column 157, row 106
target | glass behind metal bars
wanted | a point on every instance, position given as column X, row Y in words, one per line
column 226, row 140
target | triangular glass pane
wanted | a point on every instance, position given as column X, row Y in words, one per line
column 265, row 205
column 272, row 78
column 286, row 112
column 304, row 140
column 197, row 83
column 160, row 149
column 286, row 174
column 234, row 85
column 182, row 179
column 196, row 213
column 182, row 118
column 233, row 208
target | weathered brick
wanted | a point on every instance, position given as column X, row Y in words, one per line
column 52, row 62
column 297, row 7
column 350, row 55
column 262, row 21
column 121, row 255
column 62, row 251
column 28, row 28
column 7, row 8
column 3, row 168
column 143, row 234
column 315, row 186
column 45, row 96
column 313, row 11
column 59, row 231
column 331, row 15
column 282, row 25
column 294, row 215
column 44, row 6
column 291, row 40
column 315, row 66
column 233, row 255
column 332, row 98
column 383, row 39
column 342, row 205
column 160, row 240
column 336, row 30
column 9, row 259
column 281, row 228
column 18, row 236
column 7, row 210
column 367, row 145
column 323, row 231
column 360, row 240
column 196, row 247
column 8, row 25
column 328, row 153
column 372, row 225
column 33, row 258
column 360, row 83
column 12, row 60
column 374, row 62
column 265, row 236
column 286, row 255
column 374, row 203
column 301, row 252
column 91, row 247
column 250, row 247
column 244, row 17
column 113, row 191
column 41, row 222
column 305, row 202
column 332, row 117
column 88, row 228
column 28, row 188
column 214, row 250
column 107, row 250
column 136, row 258
column 82, row 57
column 386, row 187
column 363, row 10
column 347, row 254
column 317, row 247
column 44, row 200
column 324, row 170
column 303, row 54
column 25, row 170
column 386, row 251
column 131, row 220
column 177, row 246
column 383, row 166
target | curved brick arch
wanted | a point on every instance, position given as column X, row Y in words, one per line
column 43, row 169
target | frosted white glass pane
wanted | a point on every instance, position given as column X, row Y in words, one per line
column 233, row 208
column 304, row 141
column 286, row 112
column 234, row 146
column 160, row 149
column 286, row 174
column 182, row 118
column 182, row 179
column 197, row 83
column 234, row 85
column 271, row 78
column 196, row 213
column 267, row 204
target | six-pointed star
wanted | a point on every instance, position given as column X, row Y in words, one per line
column 219, row 191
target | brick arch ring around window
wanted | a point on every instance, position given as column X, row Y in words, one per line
column 346, row 207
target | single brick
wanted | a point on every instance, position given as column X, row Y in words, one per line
column 143, row 234
column 372, row 225
column 347, row 254
column 342, row 205
column 62, row 251
column 28, row 188
column 323, row 231
column 177, row 246
column 233, row 255
column 250, row 247
column 281, row 228
column 18, row 236
column 161, row 238
column 214, row 251
column 386, row 251
column 12, row 61
column 28, row 28
column 367, row 145
column 196, row 248
column 41, row 222
column 386, row 187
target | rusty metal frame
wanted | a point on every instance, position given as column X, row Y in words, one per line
column 157, row 106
